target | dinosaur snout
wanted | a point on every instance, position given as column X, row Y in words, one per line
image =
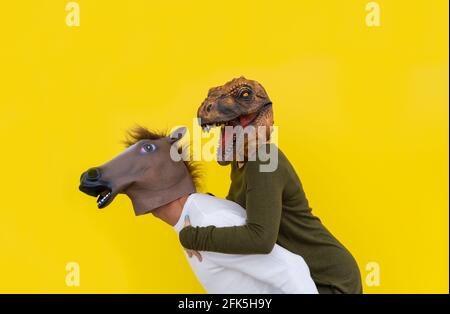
column 206, row 111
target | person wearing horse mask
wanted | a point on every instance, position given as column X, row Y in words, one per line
column 153, row 175
column 276, row 205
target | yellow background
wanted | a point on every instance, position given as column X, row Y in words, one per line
column 363, row 117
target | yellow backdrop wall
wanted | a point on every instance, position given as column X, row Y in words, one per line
column 362, row 114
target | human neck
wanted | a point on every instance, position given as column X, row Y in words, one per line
column 171, row 212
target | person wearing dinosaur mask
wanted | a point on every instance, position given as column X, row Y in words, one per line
column 277, row 208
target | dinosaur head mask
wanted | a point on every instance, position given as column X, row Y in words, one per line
column 237, row 107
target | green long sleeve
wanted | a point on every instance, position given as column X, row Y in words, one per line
column 278, row 210
column 263, row 203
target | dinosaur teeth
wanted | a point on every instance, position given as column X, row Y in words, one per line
column 207, row 127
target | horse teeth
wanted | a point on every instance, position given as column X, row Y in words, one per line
column 103, row 199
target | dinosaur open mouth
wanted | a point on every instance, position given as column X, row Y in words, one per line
column 243, row 120
column 230, row 134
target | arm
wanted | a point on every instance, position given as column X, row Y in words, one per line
column 282, row 270
column 258, row 236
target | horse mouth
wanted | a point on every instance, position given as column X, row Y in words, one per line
column 104, row 193
column 104, row 198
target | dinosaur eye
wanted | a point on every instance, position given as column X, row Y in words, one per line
column 245, row 93
column 148, row 148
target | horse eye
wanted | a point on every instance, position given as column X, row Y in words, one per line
column 148, row 148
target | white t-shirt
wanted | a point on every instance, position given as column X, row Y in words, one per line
column 280, row 271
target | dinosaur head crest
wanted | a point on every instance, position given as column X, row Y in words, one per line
column 239, row 102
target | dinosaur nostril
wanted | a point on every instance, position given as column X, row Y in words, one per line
column 208, row 108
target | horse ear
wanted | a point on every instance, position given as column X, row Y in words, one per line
column 177, row 134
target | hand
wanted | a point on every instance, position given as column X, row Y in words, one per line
column 190, row 253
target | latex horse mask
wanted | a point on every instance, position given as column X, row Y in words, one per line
column 239, row 105
column 145, row 172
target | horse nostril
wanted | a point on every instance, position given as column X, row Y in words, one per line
column 93, row 174
column 209, row 107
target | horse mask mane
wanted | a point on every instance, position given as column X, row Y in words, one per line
column 145, row 172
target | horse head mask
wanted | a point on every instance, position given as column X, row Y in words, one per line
column 145, row 172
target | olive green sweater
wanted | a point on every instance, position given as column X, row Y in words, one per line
column 278, row 212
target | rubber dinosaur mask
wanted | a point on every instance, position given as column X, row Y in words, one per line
column 239, row 108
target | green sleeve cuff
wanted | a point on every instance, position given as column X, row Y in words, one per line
column 185, row 235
